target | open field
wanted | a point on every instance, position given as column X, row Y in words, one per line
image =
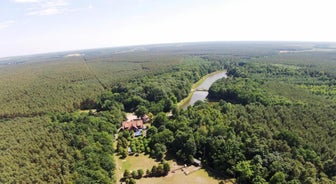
column 197, row 177
column 132, row 163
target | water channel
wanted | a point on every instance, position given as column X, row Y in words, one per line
column 201, row 91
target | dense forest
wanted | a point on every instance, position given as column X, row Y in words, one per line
column 295, row 122
column 252, row 132
column 271, row 121
column 60, row 84
column 91, row 135
column 256, row 133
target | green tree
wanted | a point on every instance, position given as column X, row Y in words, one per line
column 160, row 119
column 259, row 180
column 160, row 171
column 131, row 181
column 165, row 137
column 154, row 170
column 330, row 167
column 140, row 173
column 244, row 170
column 185, row 146
column 123, row 152
column 151, row 131
column 159, row 151
column 278, row 178
column 166, row 168
column 127, row 174
column 134, row 174
column 141, row 111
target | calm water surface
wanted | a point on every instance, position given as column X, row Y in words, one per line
column 201, row 95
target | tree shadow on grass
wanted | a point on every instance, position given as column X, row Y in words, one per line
column 211, row 172
column 215, row 174
column 171, row 157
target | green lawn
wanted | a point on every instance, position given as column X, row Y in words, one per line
column 133, row 163
column 144, row 162
column 197, row 177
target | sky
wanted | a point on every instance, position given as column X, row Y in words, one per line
column 40, row 26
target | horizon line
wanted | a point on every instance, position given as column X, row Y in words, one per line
column 153, row 44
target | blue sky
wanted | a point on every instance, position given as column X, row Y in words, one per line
column 38, row 26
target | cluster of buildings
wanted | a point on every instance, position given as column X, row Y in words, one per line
column 136, row 125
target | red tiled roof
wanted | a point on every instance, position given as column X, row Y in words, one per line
column 135, row 123
column 145, row 118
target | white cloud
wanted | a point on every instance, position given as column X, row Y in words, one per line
column 6, row 24
column 46, row 7
column 54, row 3
column 27, row 1
column 48, row 11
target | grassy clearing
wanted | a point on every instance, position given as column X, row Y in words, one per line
column 184, row 101
column 87, row 111
column 197, row 177
column 132, row 163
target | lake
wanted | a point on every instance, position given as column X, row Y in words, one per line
column 201, row 91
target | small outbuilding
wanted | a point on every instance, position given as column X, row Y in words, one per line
column 197, row 162
column 138, row 133
column 145, row 118
column 130, row 152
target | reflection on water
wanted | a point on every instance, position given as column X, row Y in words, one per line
column 198, row 95
column 211, row 79
column 201, row 95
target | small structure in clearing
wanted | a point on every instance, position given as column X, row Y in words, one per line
column 145, row 118
column 197, row 162
column 138, row 133
column 136, row 125
column 129, row 150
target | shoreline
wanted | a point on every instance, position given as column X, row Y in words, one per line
column 185, row 100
